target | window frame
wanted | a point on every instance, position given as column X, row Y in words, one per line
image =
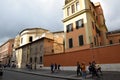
column 30, row 38
column 69, row 27
column 31, row 60
column 81, row 40
column 73, row 8
column 41, row 59
column 35, row 59
column 95, row 42
column 77, row 6
column 79, row 23
column 70, row 43
column 93, row 25
column 68, row 11
column 21, row 40
column 110, row 42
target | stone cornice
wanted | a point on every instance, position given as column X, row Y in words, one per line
column 70, row 3
column 76, row 14
column 67, row 1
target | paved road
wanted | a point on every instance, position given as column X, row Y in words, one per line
column 111, row 76
column 10, row 75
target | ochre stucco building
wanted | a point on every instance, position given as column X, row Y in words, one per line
column 113, row 37
column 6, row 51
column 84, row 25
column 86, row 38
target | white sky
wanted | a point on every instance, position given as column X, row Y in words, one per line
column 16, row 15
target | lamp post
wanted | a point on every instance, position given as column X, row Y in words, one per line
column 91, row 45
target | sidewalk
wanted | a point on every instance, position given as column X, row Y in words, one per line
column 69, row 75
column 47, row 73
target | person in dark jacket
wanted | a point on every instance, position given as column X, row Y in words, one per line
column 78, row 69
column 52, row 68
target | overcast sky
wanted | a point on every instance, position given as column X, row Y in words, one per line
column 16, row 15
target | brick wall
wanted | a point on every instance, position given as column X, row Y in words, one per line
column 102, row 55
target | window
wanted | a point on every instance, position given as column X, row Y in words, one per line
column 21, row 40
column 12, row 45
column 52, row 50
column 35, row 59
column 81, row 42
column 41, row 59
column 73, row 8
column 30, row 39
column 70, row 27
column 95, row 40
column 79, row 23
column 111, row 42
column 97, row 18
column 97, row 31
column 68, row 11
column 93, row 13
column 31, row 60
column 90, row 7
column 93, row 25
column 70, row 43
column 77, row 6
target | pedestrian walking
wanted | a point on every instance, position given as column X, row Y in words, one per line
column 52, row 68
column 98, row 68
column 78, row 69
column 94, row 70
column 55, row 69
column 83, row 69
column 90, row 68
column 59, row 67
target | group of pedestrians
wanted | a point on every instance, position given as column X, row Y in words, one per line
column 55, row 67
column 81, row 69
column 93, row 68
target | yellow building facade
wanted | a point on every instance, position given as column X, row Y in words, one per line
column 84, row 25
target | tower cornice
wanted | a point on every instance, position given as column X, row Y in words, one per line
column 76, row 14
